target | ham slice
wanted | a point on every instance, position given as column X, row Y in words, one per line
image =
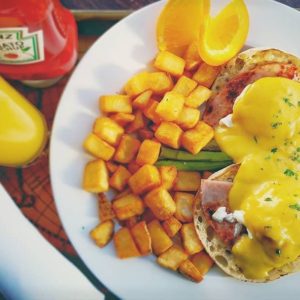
column 214, row 194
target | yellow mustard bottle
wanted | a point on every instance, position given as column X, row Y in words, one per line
column 23, row 129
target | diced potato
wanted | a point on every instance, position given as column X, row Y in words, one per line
column 145, row 179
column 206, row 74
column 95, row 178
column 189, row 270
column 195, row 139
column 148, row 152
column 108, row 130
column 138, row 123
column 127, row 149
column 184, row 206
column 111, row 167
column 148, row 215
column 122, row 119
column 187, row 181
column 192, row 57
column 161, row 203
column 150, row 111
column 184, row 86
column 169, row 62
column 171, row 226
column 145, row 134
column 202, row 261
column 198, row 96
column 169, row 134
column 190, row 240
column 98, row 148
column 124, row 244
column 141, row 101
column 170, row 106
column 123, row 193
column 188, row 118
column 172, row 258
column 106, row 212
column 128, row 206
column 103, row 233
column 142, row 238
column 206, row 174
column 129, row 223
column 157, row 82
column 159, row 239
column 120, row 178
column 133, row 167
column 115, row 104
column 168, row 175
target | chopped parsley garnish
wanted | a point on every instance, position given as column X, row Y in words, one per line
column 288, row 102
column 275, row 125
column 295, row 206
column 298, row 149
column 274, row 150
column 289, row 173
column 278, row 252
column 268, row 199
column 299, row 103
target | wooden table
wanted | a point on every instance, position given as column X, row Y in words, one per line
column 30, row 187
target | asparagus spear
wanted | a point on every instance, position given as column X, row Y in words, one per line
column 194, row 165
column 167, row 153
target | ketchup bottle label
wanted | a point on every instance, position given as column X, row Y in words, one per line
column 18, row 47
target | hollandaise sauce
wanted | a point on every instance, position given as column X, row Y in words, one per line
column 265, row 139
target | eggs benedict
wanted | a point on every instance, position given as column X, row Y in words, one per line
column 248, row 215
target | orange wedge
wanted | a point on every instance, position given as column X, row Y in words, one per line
column 179, row 24
column 223, row 36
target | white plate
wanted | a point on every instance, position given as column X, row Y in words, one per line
column 117, row 55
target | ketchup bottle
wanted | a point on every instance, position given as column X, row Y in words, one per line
column 38, row 41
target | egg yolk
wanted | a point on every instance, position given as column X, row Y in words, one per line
column 265, row 139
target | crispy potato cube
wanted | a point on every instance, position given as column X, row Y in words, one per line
column 198, row 96
column 206, row 174
column 128, row 206
column 168, row 175
column 184, row 206
column 161, row 203
column 148, row 215
column 188, row 118
column 171, row 226
column 189, row 270
column 195, row 139
column 190, row 240
column 138, row 123
column 115, row 104
column 108, row 130
column 170, row 106
column 95, row 178
column 169, row 134
column 184, row 86
column 202, row 261
column 172, row 258
column 187, row 181
column 150, row 111
column 129, row 223
column 159, row 239
column 123, row 193
column 169, row 62
column 133, row 167
column 111, row 167
column 120, row 178
column 148, row 153
column 122, row 119
column 142, row 238
column 192, row 57
column 103, row 233
column 106, row 212
column 127, row 149
column 157, row 82
column 141, row 101
column 145, row 134
column 206, row 74
column 145, row 179
column 124, row 244
column 98, row 148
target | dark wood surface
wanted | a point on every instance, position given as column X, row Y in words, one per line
column 129, row 4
